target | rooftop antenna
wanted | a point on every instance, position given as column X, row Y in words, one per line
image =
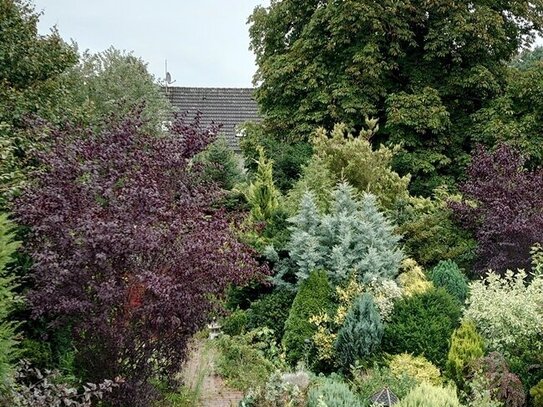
column 168, row 76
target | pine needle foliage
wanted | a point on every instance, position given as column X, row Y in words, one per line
column 354, row 237
column 361, row 334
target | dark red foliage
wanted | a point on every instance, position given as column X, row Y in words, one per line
column 504, row 385
column 507, row 218
column 127, row 250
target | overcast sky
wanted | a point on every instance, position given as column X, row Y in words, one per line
column 206, row 42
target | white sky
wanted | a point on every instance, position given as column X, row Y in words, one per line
column 206, row 42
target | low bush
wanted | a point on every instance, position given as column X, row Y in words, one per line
column 277, row 392
column 422, row 325
column 416, row 367
column 448, row 275
column 537, row 394
column 242, row 365
column 508, row 310
column 503, row 385
column 313, row 298
column 466, row 346
column 367, row 382
column 235, row 323
column 427, row 395
column 33, row 388
column 412, row 278
column 332, row 393
column 271, row 311
column 361, row 333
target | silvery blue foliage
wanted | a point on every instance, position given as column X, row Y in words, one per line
column 353, row 237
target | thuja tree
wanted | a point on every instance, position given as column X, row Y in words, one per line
column 127, row 250
column 353, row 237
column 503, row 207
column 418, row 66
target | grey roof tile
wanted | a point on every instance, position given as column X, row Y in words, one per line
column 227, row 106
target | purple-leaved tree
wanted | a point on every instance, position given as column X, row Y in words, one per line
column 128, row 249
column 503, row 206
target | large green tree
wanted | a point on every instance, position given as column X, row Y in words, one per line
column 422, row 67
column 31, row 66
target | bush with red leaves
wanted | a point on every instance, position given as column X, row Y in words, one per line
column 503, row 206
column 127, row 248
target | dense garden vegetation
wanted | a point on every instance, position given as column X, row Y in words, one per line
column 392, row 245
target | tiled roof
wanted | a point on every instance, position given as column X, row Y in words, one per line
column 227, row 106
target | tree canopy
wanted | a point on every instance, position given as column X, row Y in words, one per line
column 418, row 66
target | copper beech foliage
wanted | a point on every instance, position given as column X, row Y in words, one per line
column 127, row 248
column 503, row 207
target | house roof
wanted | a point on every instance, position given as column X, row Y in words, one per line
column 227, row 106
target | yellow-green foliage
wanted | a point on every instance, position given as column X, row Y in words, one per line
column 537, row 258
column 412, row 279
column 428, row 395
column 466, row 346
column 537, row 393
column 416, row 367
column 384, row 294
column 340, row 156
column 261, row 194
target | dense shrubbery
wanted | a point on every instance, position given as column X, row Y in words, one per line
column 422, row 325
column 508, row 311
column 313, row 298
column 343, row 157
column 427, row 395
column 361, row 333
column 332, row 393
column 127, row 250
column 466, row 347
column 241, row 364
column 416, row 367
column 430, row 233
column 353, row 237
column 448, row 275
column 271, row 311
column 502, row 207
column 503, row 385
column 8, row 298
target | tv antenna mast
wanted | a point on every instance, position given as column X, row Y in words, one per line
column 168, row 78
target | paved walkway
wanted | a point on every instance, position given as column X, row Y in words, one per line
column 198, row 373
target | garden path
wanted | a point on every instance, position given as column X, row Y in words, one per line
column 199, row 375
